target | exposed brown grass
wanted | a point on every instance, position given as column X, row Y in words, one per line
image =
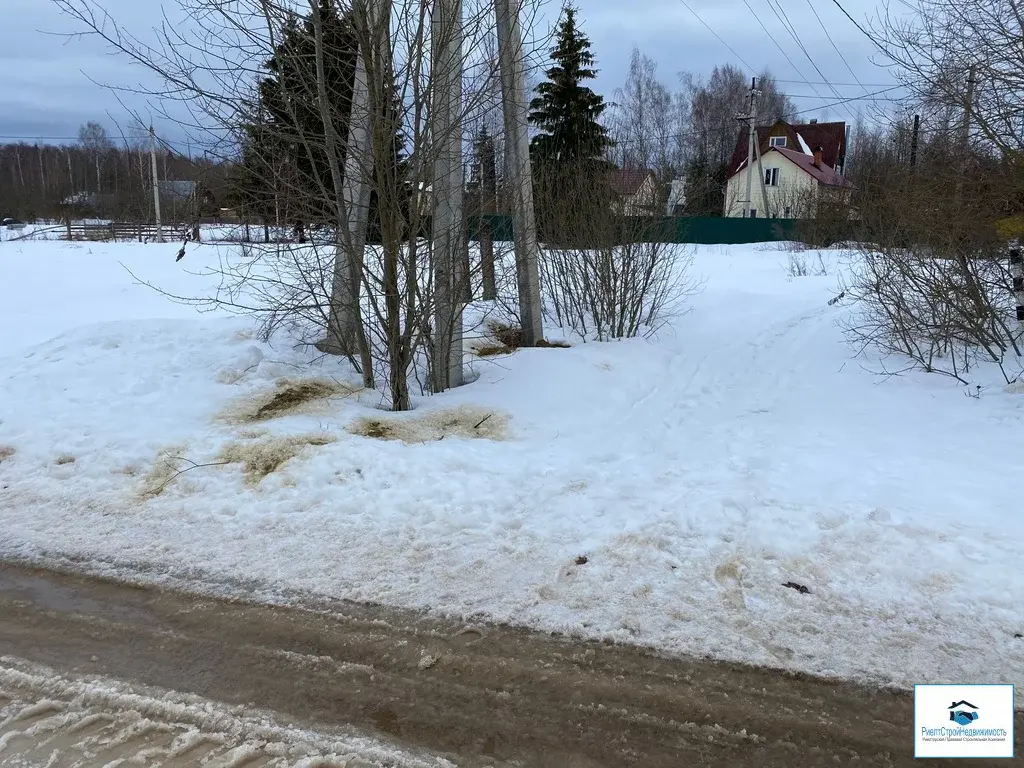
column 544, row 343
column 6, row 451
column 467, row 422
column 167, row 465
column 261, row 458
column 64, row 458
column 510, row 337
column 287, row 397
column 493, row 350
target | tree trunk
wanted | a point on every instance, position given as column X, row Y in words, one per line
column 518, row 174
column 447, row 234
column 345, row 331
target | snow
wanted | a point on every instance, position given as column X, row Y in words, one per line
column 699, row 471
column 803, row 145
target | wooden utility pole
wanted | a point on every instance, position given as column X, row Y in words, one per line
column 447, row 225
column 914, row 139
column 760, row 172
column 156, row 186
column 751, row 142
column 488, row 192
column 965, row 131
column 518, row 173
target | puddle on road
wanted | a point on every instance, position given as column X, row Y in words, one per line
column 21, row 586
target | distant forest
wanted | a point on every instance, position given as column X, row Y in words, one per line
column 52, row 182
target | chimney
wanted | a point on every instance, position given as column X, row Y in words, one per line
column 818, row 151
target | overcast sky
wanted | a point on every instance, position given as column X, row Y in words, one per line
column 47, row 89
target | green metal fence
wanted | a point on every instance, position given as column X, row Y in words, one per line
column 674, row 229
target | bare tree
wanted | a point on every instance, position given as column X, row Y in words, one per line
column 388, row 293
column 934, row 45
column 642, row 119
column 94, row 140
column 712, row 129
column 611, row 276
column 933, row 283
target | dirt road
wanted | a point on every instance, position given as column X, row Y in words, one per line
column 47, row 719
column 474, row 696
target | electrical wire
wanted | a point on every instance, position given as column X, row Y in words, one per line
column 863, row 31
column 837, row 85
column 847, row 101
column 780, row 14
column 776, row 42
column 834, row 46
column 708, row 26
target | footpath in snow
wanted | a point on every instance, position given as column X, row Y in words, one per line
column 658, row 491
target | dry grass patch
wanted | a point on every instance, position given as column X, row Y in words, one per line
column 263, row 457
column 168, row 465
column 287, row 397
column 510, row 337
column 493, row 350
column 64, row 458
column 468, row 422
column 6, row 451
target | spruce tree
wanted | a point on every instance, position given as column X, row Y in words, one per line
column 568, row 154
column 284, row 169
column 566, row 111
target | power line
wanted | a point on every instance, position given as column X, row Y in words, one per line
column 861, row 28
column 847, row 101
column 839, row 85
column 165, row 142
column 783, row 18
column 731, row 49
column 866, row 97
column 833, row 42
column 781, row 49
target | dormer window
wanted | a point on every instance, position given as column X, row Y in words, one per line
column 777, row 141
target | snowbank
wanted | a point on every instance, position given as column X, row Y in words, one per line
column 697, row 473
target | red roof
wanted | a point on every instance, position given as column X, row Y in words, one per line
column 831, row 137
column 628, row 182
column 823, row 174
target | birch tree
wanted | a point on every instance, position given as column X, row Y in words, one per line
column 387, row 292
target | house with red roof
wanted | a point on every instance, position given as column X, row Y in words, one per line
column 636, row 192
column 801, row 168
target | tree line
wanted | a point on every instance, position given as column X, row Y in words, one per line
column 96, row 177
column 689, row 131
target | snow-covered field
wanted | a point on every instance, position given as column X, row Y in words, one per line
column 697, row 472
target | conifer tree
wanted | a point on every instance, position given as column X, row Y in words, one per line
column 568, row 154
column 284, row 170
column 567, row 111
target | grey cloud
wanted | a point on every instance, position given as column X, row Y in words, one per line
column 48, row 88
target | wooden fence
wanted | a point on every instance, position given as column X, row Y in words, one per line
column 119, row 230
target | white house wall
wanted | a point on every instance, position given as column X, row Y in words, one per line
column 796, row 190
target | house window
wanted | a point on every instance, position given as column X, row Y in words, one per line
column 777, row 141
column 771, row 177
